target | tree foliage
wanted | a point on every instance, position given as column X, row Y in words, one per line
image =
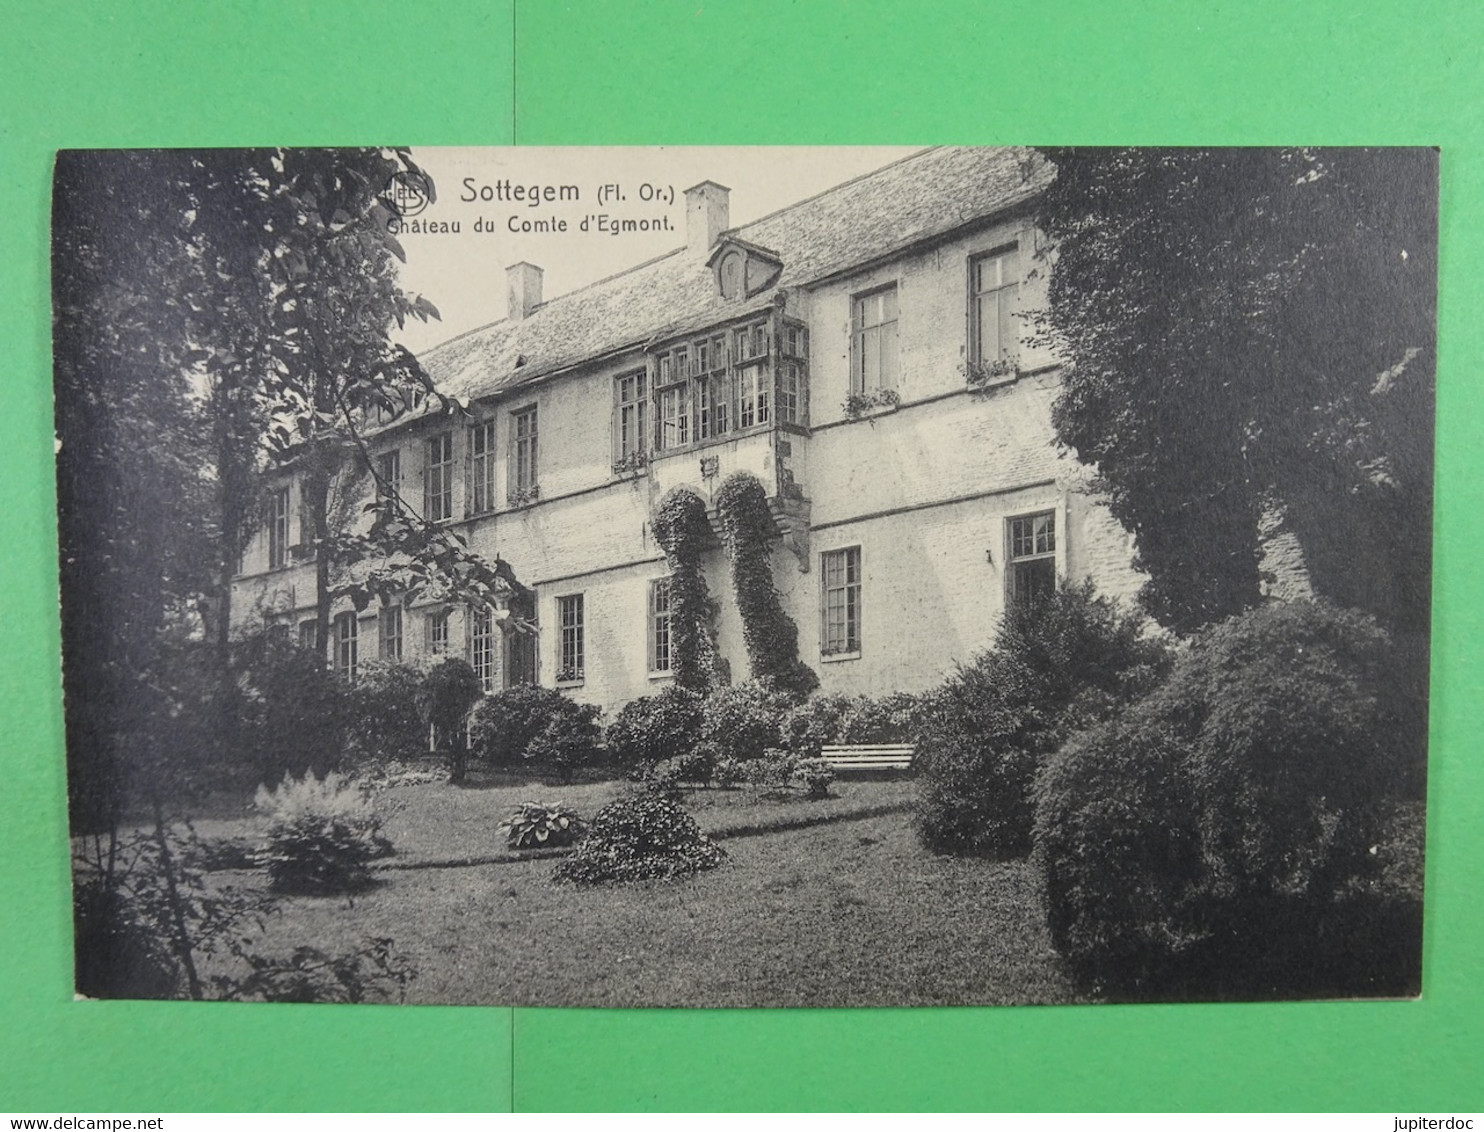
column 682, row 529
column 1251, row 331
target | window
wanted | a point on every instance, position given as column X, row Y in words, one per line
column 1031, row 570
column 840, row 577
column 994, row 295
column 482, row 646
column 481, row 486
column 659, row 625
column 569, row 621
column 674, row 417
column 437, row 632
column 278, row 529
column 713, row 397
column 873, row 341
column 308, row 635
column 388, row 474
column 345, row 645
column 438, row 478
column 389, row 633
column 753, row 400
column 790, row 394
column 521, row 637
column 523, row 455
column 630, row 416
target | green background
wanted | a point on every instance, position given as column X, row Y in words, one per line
column 1052, row 71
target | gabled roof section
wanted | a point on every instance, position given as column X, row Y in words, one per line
column 926, row 195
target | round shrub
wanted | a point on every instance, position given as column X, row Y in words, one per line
column 568, row 742
column 1219, row 836
column 807, row 728
column 654, row 728
column 504, row 724
column 449, row 691
column 644, row 837
column 816, row 777
column 1059, row 664
column 389, row 720
column 321, row 835
column 741, row 721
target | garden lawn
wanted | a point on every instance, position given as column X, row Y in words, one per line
column 815, row 905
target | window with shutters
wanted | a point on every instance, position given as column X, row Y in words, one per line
column 658, row 626
column 840, row 602
column 994, row 299
column 438, row 478
column 873, row 341
column 480, row 490
column 1030, row 571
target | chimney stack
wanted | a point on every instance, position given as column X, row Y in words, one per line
column 705, row 216
column 522, row 290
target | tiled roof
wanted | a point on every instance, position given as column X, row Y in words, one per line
column 927, row 194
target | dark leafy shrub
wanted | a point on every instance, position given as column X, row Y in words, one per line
column 697, row 765
column 683, row 529
column 294, row 714
column 741, row 721
column 824, row 720
column 371, row 973
column 659, row 779
column 1059, row 664
column 654, row 728
column 643, row 837
column 807, row 728
column 568, row 742
column 1221, row 838
column 321, row 835
column 449, row 691
column 389, row 720
column 729, row 772
column 504, row 724
column 541, row 825
column 816, row 777
column 773, row 771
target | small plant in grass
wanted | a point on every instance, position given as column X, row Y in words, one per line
column 773, row 771
column 644, row 837
column 538, row 825
column 816, row 777
column 321, row 835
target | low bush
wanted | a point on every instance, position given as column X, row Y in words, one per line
column 659, row 779
column 568, row 742
column 294, row 716
column 728, row 773
column 696, row 766
column 816, row 777
column 321, row 835
column 1058, row 664
column 741, row 721
column 829, row 719
column 503, row 725
column 449, row 692
column 654, row 728
column 388, row 721
column 538, row 825
column 1221, row 838
column 773, row 771
column 643, row 837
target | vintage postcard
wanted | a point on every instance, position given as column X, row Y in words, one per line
column 746, row 576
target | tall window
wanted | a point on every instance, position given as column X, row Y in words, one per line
column 630, row 415
column 659, row 625
column 840, row 577
column 389, row 633
column 994, row 295
column 308, row 634
column 754, row 401
column 344, row 632
column 523, row 454
column 1031, row 561
column 438, row 478
column 569, row 621
column 873, row 341
column 482, row 646
column 481, row 487
column 437, row 632
column 278, row 529
column 388, row 474
column 674, row 417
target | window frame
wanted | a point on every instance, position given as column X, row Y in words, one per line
column 438, row 477
column 480, row 488
column 659, row 640
column 482, row 649
column 389, row 633
column 524, row 472
column 278, row 529
column 571, row 639
column 1015, row 590
column 848, row 647
column 345, row 635
column 630, row 417
column 859, row 332
column 437, row 632
column 975, row 345
column 389, row 474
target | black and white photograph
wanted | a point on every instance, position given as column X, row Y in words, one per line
column 746, row 577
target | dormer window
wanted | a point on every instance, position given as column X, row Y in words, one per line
column 742, row 269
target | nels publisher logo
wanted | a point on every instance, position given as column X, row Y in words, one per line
column 407, row 193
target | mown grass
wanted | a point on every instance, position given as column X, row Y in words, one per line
column 815, row 905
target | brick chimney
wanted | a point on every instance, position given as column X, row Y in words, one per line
column 705, row 216
column 522, row 290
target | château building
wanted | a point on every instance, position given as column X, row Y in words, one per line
column 862, row 353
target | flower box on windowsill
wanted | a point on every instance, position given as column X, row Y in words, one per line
column 524, row 497
column 631, row 464
column 568, row 678
column 832, row 657
column 873, row 404
column 979, row 376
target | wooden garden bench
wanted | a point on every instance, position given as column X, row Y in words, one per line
column 868, row 756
